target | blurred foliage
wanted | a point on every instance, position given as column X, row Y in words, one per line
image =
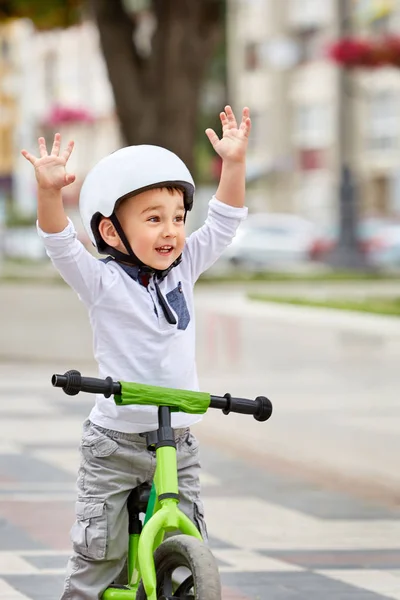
column 380, row 306
column 50, row 14
column 46, row 14
column 14, row 218
column 324, row 276
column 209, row 116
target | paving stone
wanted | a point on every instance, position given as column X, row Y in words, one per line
column 289, row 492
column 52, row 561
column 340, row 559
column 27, row 468
column 285, row 586
column 37, row 587
column 15, row 538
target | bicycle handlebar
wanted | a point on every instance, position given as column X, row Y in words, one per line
column 260, row 407
column 72, row 383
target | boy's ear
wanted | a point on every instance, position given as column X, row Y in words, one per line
column 109, row 233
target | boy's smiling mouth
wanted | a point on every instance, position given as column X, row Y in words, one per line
column 165, row 250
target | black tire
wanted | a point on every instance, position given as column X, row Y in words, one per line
column 189, row 552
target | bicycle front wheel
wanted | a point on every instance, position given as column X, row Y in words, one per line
column 185, row 570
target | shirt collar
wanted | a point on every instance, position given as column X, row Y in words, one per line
column 132, row 270
column 143, row 277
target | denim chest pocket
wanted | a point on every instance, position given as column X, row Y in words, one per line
column 176, row 299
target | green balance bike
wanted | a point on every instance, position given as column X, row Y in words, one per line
column 182, row 567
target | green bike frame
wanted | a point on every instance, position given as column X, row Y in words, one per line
column 163, row 514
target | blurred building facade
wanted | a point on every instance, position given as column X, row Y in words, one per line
column 9, row 111
column 52, row 81
column 278, row 65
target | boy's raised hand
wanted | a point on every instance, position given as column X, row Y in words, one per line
column 233, row 144
column 50, row 168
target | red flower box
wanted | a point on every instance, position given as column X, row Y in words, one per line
column 60, row 115
column 362, row 53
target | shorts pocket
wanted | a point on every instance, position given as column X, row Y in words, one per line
column 89, row 532
column 192, row 443
column 176, row 299
column 100, row 445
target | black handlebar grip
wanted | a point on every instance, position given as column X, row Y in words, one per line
column 58, row 380
column 264, row 408
column 72, row 383
column 260, row 408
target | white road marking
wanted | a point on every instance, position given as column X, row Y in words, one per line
column 246, row 561
column 30, row 404
column 33, row 486
column 35, row 552
column 270, row 526
column 386, row 583
column 7, row 592
column 38, row 497
column 66, row 460
column 52, row 431
column 12, row 564
column 10, row 448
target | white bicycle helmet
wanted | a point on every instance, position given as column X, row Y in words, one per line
column 126, row 172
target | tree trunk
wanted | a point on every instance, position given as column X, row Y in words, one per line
column 157, row 98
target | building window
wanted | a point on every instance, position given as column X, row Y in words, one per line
column 383, row 122
column 252, row 56
column 311, row 159
column 310, row 44
column 312, row 126
column 50, row 74
column 310, row 13
column 259, row 132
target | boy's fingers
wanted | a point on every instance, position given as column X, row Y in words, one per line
column 56, row 145
column 42, row 147
column 212, row 136
column 230, row 116
column 246, row 113
column 69, row 178
column 30, row 157
column 245, row 126
column 224, row 121
column 245, row 119
column 67, row 152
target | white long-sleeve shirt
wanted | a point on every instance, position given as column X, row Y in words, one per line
column 132, row 339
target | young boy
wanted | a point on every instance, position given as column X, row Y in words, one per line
column 133, row 204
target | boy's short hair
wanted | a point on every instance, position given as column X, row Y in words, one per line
column 170, row 188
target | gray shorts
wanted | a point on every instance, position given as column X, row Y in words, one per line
column 112, row 464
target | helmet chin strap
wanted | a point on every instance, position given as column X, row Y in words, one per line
column 132, row 259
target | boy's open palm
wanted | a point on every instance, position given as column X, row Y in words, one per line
column 233, row 144
column 50, row 168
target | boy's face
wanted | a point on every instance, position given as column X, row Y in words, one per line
column 153, row 222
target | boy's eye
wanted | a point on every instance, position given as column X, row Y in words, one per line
column 179, row 218
column 153, row 219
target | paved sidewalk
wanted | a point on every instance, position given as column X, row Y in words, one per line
column 333, row 379
column 332, row 376
column 275, row 536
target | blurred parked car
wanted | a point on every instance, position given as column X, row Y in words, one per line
column 271, row 240
column 384, row 250
column 378, row 239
